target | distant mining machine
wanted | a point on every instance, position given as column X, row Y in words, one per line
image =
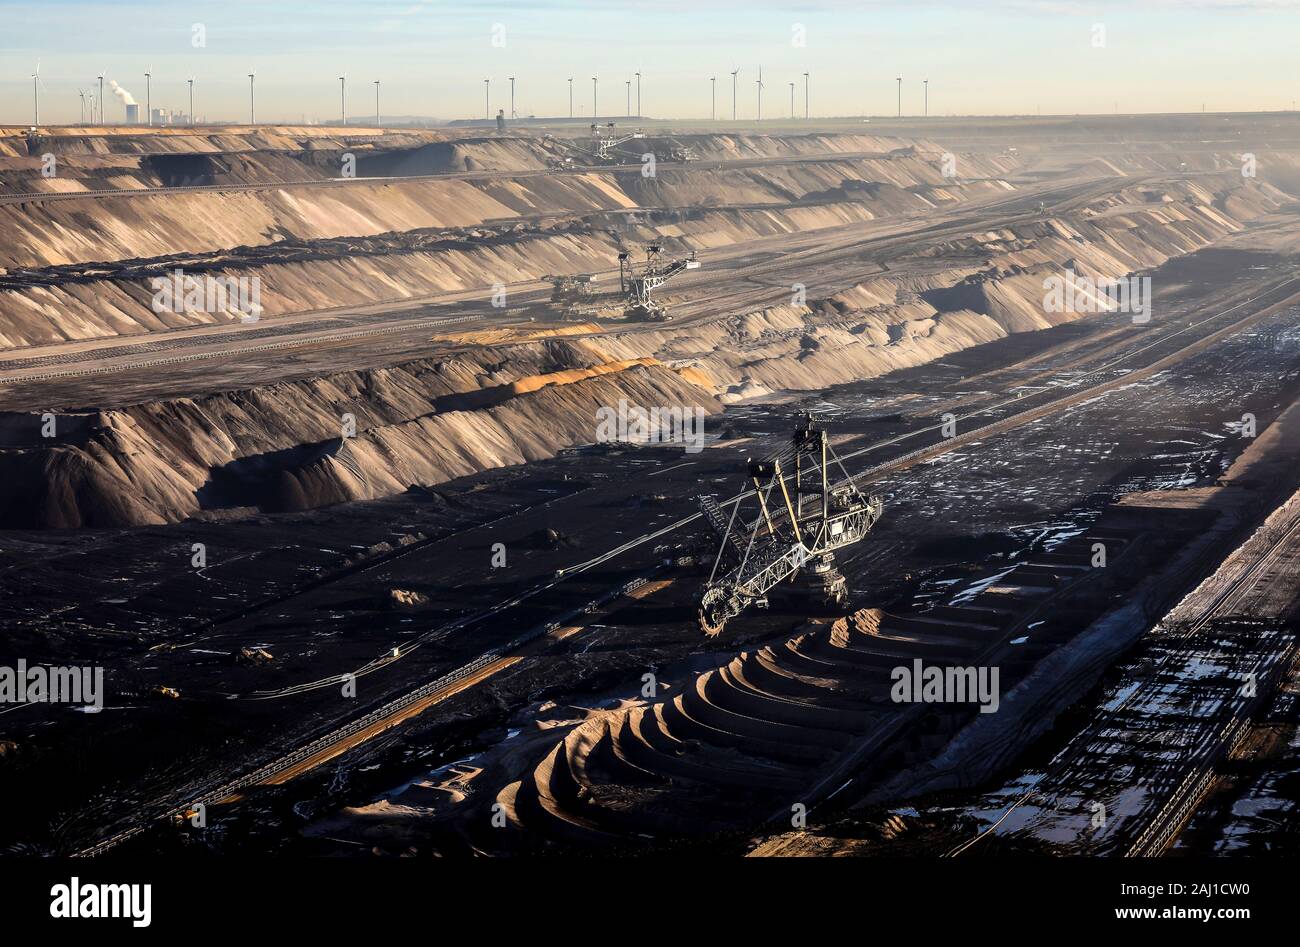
column 679, row 152
column 800, row 520
column 573, row 295
column 638, row 283
column 604, row 146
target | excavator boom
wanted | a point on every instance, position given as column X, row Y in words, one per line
column 798, row 531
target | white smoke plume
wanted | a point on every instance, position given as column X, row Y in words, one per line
column 126, row 97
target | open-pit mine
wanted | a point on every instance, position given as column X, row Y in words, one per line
column 904, row 488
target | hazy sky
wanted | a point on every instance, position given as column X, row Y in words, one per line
column 990, row 57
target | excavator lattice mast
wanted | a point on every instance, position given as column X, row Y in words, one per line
column 638, row 284
column 797, row 533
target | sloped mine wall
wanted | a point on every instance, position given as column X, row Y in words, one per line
column 425, row 422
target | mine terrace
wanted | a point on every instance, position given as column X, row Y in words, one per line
column 366, row 574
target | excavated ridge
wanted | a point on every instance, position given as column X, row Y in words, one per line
column 78, row 270
column 735, row 743
column 110, row 228
column 734, row 740
column 80, row 302
column 283, row 447
column 279, row 446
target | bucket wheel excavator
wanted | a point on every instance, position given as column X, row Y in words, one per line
column 606, row 147
column 638, row 283
column 801, row 519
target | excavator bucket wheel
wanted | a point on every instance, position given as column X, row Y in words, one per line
column 712, row 619
column 710, row 630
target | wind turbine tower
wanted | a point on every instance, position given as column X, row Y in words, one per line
column 735, row 72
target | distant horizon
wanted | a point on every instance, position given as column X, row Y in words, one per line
column 432, row 122
column 1007, row 58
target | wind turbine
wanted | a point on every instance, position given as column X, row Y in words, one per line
column 148, row 97
column 252, row 106
column 512, row 98
column 81, row 114
column 713, row 98
column 628, row 83
column 791, row 101
column 805, row 96
column 190, row 80
column 760, row 93
column 101, row 97
column 570, row 96
column 343, row 99
column 926, row 83
column 487, row 98
column 900, row 96
column 36, row 95
column 377, row 122
column 735, row 72
column 593, row 98
column 638, row 93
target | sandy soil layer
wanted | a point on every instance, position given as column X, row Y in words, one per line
column 165, row 460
